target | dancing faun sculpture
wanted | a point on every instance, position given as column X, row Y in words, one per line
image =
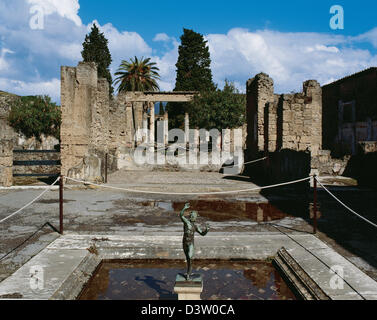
column 189, row 228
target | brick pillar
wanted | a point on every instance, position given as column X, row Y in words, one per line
column 151, row 124
column 313, row 91
column 226, row 145
column 259, row 92
column 145, row 136
column 78, row 96
column 166, row 128
column 187, row 127
column 193, row 146
column 7, row 135
column 6, row 161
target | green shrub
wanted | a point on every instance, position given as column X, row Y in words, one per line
column 36, row 115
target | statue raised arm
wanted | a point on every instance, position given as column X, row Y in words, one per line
column 189, row 229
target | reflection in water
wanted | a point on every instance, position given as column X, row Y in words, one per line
column 154, row 279
column 222, row 210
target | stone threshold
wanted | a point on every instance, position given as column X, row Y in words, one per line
column 69, row 261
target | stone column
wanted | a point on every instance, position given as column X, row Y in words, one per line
column 226, row 145
column 129, row 126
column 187, row 127
column 193, row 146
column 203, row 141
column 216, row 146
column 151, row 125
column 145, row 136
column 238, row 149
column 166, row 128
column 161, row 142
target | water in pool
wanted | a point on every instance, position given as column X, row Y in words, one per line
column 154, row 279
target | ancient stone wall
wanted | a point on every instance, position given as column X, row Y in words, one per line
column 85, row 122
column 7, row 139
column 287, row 121
column 259, row 96
column 121, row 129
column 46, row 143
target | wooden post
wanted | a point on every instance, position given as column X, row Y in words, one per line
column 61, row 186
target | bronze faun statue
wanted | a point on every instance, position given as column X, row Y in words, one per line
column 189, row 229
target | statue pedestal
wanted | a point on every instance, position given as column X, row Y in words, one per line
column 188, row 289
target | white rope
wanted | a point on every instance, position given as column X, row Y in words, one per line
column 249, row 162
column 355, row 213
column 190, row 193
column 31, row 202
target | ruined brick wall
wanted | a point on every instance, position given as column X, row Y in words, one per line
column 85, row 122
column 259, row 95
column 121, row 128
column 299, row 116
column 100, row 117
column 287, row 121
column 7, row 140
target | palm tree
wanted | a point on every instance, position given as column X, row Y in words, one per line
column 137, row 75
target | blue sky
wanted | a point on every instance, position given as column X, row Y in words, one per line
column 290, row 40
column 209, row 16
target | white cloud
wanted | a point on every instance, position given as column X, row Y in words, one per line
column 289, row 58
column 4, row 65
column 161, row 37
column 370, row 36
column 320, row 47
column 30, row 60
column 65, row 8
column 51, row 87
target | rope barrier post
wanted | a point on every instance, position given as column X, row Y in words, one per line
column 61, row 205
column 106, row 168
column 315, row 204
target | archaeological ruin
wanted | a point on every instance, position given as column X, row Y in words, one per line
column 316, row 131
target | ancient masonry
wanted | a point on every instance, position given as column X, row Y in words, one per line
column 286, row 121
column 85, row 115
column 7, row 137
column 93, row 124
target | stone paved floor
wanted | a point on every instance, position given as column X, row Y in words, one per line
column 98, row 210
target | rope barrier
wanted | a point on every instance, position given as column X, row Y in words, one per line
column 249, row 162
column 348, row 208
column 31, row 202
column 191, row 193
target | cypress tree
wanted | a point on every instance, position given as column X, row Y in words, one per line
column 95, row 49
column 193, row 73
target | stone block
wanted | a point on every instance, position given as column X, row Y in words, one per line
column 188, row 289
